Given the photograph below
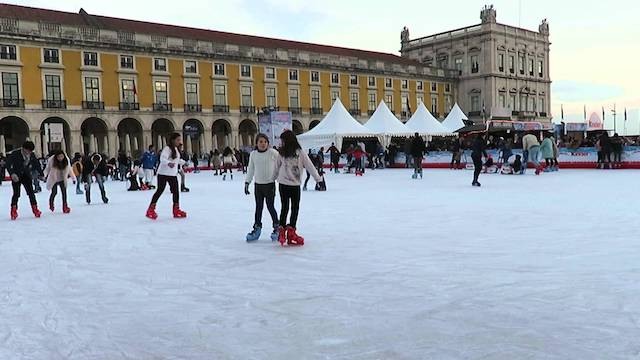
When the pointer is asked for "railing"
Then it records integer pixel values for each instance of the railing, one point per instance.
(247, 109)
(405, 114)
(52, 59)
(54, 104)
(220, 108)
(354, 112)
(12, 103)
(543, 114)
(515, 113)
(129, 106)
(162, 107)
(474, 113)
(370, 112)
(192, 108)
(295, 110)
(88, 62)
(93, 105)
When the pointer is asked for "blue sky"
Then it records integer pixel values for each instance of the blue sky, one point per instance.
(594, 51)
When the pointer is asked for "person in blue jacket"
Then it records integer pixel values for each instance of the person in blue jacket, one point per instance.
(149, 163)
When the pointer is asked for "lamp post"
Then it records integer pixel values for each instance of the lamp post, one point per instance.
(614, 118)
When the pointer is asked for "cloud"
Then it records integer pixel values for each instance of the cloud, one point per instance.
(575, 91)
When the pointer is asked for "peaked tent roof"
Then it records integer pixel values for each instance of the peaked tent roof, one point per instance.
(454, 122)
(423, 122)
(338, 121)
(383, 122)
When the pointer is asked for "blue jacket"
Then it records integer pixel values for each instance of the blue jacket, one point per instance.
(149, 160)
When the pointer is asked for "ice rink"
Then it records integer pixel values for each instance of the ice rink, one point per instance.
(525, 267)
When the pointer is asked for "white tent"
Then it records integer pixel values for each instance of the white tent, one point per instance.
(386, 125)
(424, 123)
(335, 126)
(454, 120)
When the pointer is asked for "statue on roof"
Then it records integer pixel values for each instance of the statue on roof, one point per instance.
(404, 35)
(488, 14)
(544, 27)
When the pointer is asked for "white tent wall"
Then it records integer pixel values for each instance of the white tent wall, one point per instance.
(454, 120)
(386, 125)
(426, 124)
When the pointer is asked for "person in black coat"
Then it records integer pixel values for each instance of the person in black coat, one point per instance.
(417, 150)
(21, 165)
(456, 154)
(94, 166)
(478, 150)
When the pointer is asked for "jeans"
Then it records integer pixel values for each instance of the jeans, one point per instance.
(265, 193)
(87, 187)
(148, 176)
(162, 184)
(54, 192)
(533, 155)
(27, 183)
(123, 172)
(289, 194)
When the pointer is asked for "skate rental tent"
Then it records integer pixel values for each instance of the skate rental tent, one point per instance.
(425, 124)
(455, 119)
(336, 125)
(386, 125)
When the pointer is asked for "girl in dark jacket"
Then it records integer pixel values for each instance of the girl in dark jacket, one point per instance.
(94, 166)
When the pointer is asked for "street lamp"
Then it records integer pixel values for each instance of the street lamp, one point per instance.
(613, 111)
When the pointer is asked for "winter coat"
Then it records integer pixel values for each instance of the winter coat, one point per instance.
(17, 164)
(418, 147)
(289, 169)
(546, 149)
(262, 166)
(229, 160)
(165, 160)
(149, 160)
(529, 141)
(478, 148)
(55, 175)
(215, 160)
(90, 169)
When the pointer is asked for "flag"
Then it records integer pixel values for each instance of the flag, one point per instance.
(562, 111)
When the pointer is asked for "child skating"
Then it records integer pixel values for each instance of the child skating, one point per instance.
(57, 172)
(170, 160)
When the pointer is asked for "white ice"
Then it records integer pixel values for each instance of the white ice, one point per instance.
(525, 267)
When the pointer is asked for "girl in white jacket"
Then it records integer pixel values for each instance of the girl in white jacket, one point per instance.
(170, 160)
(57, 172)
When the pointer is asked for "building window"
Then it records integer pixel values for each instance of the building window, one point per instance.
(335, 78)
(501, 62)
(353, 79)
(293, 75)
(51, 56)
(533, 104)
(405, 84)
(448, 103)
(522, 64)
(220, 95)
(270, 73)
(218, 69)
(315, 99)
(542, 108)
(355, 101)
(531, 64)
(512, 102)
(245, 92)
(8, 52)
(419, 100)
(475, 65)
(10, 86)
(91, 59)
(270, 94)
(162, 96)
(443, 61)
(192, 94)
(388, 99)
(92, 89)
(459, 63)
(52, 87)
(388, 83)
(540, 68)
(126, 62)
(475, 103)
(293, 98)
(512, 64)
(315, 77)
(434, 104)
(434, 87)
(334, 96)
(372, 81)
(372, 102)
(419, 85)
(502, 101)
(447, 88)
(160, 64)
(405, 104)
(128, 91)
(190, 67)
(245, 71)
(523, 102)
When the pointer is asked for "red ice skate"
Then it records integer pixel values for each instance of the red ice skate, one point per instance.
(37, 213)
(293, 239)
(177, 213)
(282, 235)
(66, 209)
(14, 212)
(151, 212)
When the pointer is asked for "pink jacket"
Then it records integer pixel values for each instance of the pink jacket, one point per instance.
(55, 175)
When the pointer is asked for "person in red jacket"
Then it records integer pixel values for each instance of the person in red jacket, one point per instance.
(358, 155)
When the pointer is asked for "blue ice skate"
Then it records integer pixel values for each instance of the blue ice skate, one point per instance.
(254, 234)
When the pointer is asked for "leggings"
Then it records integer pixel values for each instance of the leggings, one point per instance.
(54, 192)
(265, 192)
(549, 161)
(173, 186)
(289, 194)
(306, 181)
(477, 164)
(27, 182)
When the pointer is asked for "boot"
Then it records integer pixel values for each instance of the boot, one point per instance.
(105, 199)
(184, 189)
(37, 213)
(14, 212)
(177, 213)
(254, 234)
(294, 239)
(151, 212)
(52, 206)
(275, 233)
(66, 209)
(224, 177)
(282, 235)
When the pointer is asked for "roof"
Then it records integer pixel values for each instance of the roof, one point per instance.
(116, 24)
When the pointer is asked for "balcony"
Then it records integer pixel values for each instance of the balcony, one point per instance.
(542, 114)
(525, 114)
(315, 111)
(162, 107)
(247, 109)
(474, 113)
(12, 103)
(295, 110)
(221, 108)
(515, 113)
(354, 112)
(93, 105)
(54, 104)
(192, 108)
(129, 106)
(370, 112)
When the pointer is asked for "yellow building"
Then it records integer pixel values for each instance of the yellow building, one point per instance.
(118, 84)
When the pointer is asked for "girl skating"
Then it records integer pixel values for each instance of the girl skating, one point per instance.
(57, 172)
(170, 160)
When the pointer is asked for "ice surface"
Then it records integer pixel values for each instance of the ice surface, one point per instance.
(525, 267)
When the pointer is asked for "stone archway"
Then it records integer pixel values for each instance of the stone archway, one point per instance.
(160, 131)
(130, 138)
(247, 132)
(297, 127)
(93, 136)
(193, 137)
(221, 132)
(14, 131)
(313, 124)
(49, 133)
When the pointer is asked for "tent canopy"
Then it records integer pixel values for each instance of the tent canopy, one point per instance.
(335, 126)
(454, 120)
(383, 122)
(425, 124)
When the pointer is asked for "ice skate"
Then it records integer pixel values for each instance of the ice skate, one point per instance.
(275, 233)
(66, 209)
(282, 235)
(36, 212)
(293, 239)
(14, 212)
(151, 212)
(52, 206)
(254, 234)
(177, 213)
